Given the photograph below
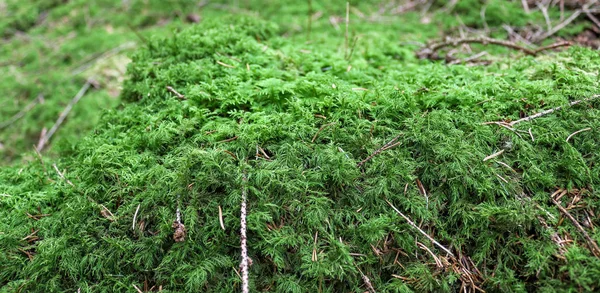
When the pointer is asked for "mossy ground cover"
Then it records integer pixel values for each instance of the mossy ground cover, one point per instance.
(301, 121)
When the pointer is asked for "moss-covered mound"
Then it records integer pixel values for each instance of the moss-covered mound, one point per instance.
(324, 143)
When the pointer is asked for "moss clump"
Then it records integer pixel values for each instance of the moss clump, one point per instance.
(297, 124)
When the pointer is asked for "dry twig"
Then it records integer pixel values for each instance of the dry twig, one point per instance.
(171, 89)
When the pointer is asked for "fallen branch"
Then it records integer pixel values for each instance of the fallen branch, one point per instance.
(591, 242)
(429, 52)
(22, 113)
(46, 138)
(171, 89)
(244, 264)
(421, 231)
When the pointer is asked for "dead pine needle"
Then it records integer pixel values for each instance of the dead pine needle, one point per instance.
(171, 89)
(62, 176)
(225, 64)
(46, 138)
(243, 236)
(135, 216)
(321, 129)
(221, 219)
(410, 222)
(314, 251)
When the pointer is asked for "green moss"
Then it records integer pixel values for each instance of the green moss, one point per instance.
(314, 218)
(312, 117)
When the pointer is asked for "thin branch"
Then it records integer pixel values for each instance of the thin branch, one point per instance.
(592, 18)
(63, 115)
(525, 6)
(578, 131)
(565, 22)
(429, 51)
(22, 113)
(171, 89)
(421, 231)
(591, 242)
